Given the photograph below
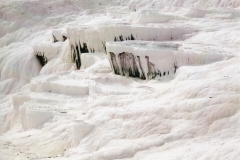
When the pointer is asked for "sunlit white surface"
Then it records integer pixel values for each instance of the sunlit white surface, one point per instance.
(63, 113)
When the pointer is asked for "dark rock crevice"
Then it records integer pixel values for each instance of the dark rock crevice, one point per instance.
(64, 38)
(84, 48)
(41, 58)
(78, 60)
(54, 39)
(175, 67)
(76, 56)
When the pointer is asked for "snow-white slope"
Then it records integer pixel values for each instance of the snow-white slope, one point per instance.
(57, 111)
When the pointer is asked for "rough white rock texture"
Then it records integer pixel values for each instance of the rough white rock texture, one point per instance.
(81, 129)
(59, 35)
(45, 51)
(193, 116)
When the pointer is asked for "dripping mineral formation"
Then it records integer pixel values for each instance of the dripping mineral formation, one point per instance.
(152, 60)
(84, 39)
(119, 79)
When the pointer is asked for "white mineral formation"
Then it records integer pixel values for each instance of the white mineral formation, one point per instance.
(119, 79)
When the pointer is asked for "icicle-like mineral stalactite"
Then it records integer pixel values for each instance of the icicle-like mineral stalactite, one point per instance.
(59, 35)
(85, 39)
(151, 74)
(128, 64)
(114, 63)
(46, 51)
(140, 68)
(152, 60)
(75, 55)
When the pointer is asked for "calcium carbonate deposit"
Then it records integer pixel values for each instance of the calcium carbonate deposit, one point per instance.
(120, 79)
